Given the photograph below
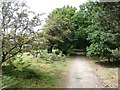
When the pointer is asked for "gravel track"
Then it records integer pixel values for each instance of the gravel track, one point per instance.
(82, 75)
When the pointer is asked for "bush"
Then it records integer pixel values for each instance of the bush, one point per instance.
(57, 52)
(19, 62)
(116, 54)
(95, 49)
(55, 56)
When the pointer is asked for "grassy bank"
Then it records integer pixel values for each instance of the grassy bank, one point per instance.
(34, 73)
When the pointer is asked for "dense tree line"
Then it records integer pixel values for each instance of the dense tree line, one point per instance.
(94, 28)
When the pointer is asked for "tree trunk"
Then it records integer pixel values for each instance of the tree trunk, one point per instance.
(65, 52)
(109, 60)
(3, 57)
(49, 49)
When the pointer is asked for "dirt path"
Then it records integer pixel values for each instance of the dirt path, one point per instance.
(82, 75)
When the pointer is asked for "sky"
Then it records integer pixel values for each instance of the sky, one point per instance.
(47, 6)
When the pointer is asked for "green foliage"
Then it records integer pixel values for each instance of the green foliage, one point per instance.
(17, 29)
(8, 81)
(116, 54)
(50, 57)
(58, 28)
(97, 49)
(37, 75)
(21, 64)
(104, 33)
(93, 26)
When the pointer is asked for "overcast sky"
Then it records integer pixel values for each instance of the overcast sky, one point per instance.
(47, 6)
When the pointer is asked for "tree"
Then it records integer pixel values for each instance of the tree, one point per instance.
(81, 19)
(17, 29)
(58, 28)
(95, 26)
(110, 26)
(104, 33)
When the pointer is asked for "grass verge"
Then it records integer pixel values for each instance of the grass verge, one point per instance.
(38, 74)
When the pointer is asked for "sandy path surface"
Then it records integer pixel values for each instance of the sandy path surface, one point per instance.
(82, 75)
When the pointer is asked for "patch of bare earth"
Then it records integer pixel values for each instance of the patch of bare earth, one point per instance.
(108, 75)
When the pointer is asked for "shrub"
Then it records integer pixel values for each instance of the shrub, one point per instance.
(19, 62)
(116, 54)
(55, 56)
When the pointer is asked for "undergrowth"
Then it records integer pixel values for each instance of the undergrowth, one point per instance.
(43, 71)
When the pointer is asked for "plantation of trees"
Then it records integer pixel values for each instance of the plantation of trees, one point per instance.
(93, 29)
